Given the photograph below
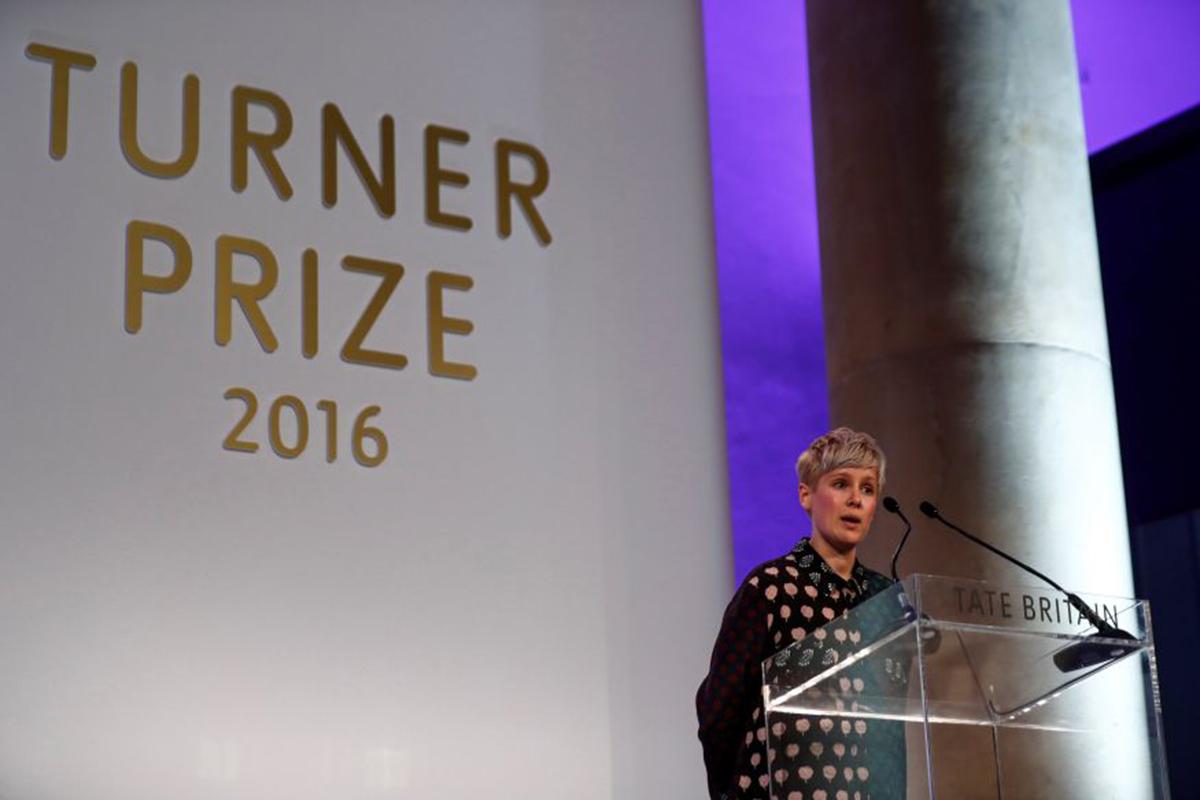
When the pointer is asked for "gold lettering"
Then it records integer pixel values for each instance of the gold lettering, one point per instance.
(523, 193)
(308, 303)
(382, 191)
(331, 422)
(137, 282)
(246, 294)
(274, 432)
(263, 144)
(440, 325)
(129, 121)
(232, 442)
(352, 351)
(436, 176)
(61, 62)
(361, 432)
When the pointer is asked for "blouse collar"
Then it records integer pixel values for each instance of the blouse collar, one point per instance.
(807, 555)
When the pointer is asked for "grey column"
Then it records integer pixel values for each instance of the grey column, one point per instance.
(963, 307)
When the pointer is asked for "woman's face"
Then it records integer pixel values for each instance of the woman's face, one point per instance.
(842, 506)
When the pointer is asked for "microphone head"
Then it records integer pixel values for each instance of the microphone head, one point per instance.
(929, 509)
(890, 504)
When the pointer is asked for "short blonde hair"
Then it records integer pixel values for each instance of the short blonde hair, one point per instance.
(841, 447)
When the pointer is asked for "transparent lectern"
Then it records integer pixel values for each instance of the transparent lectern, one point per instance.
(948, 688)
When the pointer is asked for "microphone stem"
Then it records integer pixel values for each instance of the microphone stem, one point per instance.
(903, 539)
(1074, 600)
(1003, 554)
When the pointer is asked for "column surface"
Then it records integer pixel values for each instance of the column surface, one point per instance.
(963, 306)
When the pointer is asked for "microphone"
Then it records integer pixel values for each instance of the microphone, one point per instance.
(891, 505)
(931, 636)
(1076, 656)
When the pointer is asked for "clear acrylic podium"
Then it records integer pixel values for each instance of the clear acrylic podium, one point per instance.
(949, 688)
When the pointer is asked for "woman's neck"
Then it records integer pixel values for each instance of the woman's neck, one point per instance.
(840, 562)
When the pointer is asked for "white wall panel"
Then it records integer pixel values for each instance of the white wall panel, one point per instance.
(518, 602)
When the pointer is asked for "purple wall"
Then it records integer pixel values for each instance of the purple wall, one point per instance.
(766, 235)
(1139, 63)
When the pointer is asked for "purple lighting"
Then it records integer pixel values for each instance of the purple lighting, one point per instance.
(1139, 63)
(766, 235)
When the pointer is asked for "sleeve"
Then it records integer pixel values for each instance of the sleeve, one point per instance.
(732, 689)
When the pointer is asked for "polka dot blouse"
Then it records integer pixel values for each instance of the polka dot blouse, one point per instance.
(781, 602)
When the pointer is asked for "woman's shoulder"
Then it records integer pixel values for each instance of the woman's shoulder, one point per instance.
(782, 569)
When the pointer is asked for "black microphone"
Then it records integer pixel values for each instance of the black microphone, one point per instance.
(931, 636)
(1075, 656)
(891, 505)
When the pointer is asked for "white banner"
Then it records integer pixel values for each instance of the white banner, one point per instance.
(361, 405)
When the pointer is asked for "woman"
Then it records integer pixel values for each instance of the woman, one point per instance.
(841, 476)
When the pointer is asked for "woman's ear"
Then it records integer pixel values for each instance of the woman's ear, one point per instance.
(805, 498)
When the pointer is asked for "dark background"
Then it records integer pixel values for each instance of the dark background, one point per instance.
(1145, 191)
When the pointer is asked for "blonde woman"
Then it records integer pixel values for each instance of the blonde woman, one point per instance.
(841, 477)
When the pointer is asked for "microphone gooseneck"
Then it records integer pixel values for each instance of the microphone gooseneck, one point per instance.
(1075, 656)
(930, 635)
(931, 511)
(892, 506)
